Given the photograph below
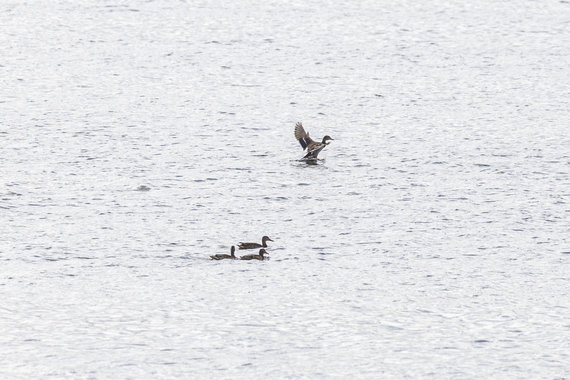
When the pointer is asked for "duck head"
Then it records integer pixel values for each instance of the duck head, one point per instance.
(263, 252)
(265, 239)
(326, 138)
(233, 251)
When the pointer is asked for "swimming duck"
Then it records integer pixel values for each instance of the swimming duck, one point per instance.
(255, 245)
(224, 256)
(255, 257)
(313, 147)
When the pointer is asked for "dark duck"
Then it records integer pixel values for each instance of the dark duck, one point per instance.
(256, 257)
(263, 244)
(313, 147)
(224, 256)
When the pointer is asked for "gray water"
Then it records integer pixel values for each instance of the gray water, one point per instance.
(430, 240)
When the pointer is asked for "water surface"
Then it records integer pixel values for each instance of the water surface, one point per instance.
(139, 138)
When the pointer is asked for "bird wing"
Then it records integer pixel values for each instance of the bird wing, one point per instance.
(302, 136)
(242, 245)
(314, 149)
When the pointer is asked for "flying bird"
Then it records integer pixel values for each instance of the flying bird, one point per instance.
(313, 147)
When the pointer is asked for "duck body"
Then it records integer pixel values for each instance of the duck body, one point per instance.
(313, 147)
(224, 256)
(259, 256)
(263, 244)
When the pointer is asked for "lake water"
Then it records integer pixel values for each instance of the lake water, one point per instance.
(430, 240)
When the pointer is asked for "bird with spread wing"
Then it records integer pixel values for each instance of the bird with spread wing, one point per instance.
(313, 147)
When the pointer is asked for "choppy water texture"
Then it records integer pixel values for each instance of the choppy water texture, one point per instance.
(139, 138)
